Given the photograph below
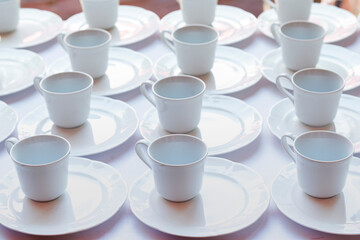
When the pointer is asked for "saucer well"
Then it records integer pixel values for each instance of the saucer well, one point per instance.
(134, 24)
(233, 24)
(337, 22)
(111, 122)
(233, 196)
(336, 215)
(344, 62)
(234, 70)
(282, 120)
(35, 27)
(95, 192)
(8, 120)
(18, 68)
(126, 70)
(226, 124)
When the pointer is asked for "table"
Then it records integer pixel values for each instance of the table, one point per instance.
(265, 155)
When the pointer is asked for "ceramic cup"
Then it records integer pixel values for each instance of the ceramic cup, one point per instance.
(316, 95)
(322, 161)
(9, 15)
(300, 42)
(199, 11)
(88, 50)
(177, 162)
(289, 10)
(100, 13)
(194, 47)
(67, 96)
(41, 164)
(178, 100)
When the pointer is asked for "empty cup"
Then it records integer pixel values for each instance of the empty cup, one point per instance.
(322, 161)
(67, 96)
(41, 164)
(177, 162)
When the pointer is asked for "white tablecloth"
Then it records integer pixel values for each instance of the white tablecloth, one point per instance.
(265, 155)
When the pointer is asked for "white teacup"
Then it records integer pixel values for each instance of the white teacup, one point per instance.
(41, 164)
(322, 161)
(100, 13)
(198, 11)
(316, 96)
(300, 42)
(289, 10)
(177, 162)
(67, 96)
(178, 100)
(9, 15)
(88, 50)
(194, 47)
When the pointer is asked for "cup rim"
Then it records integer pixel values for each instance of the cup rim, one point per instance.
(318, 70)
(44, 164)
(196, 44)
(179, 99)
(182, 165)
(328, 132)
(305, 22)
(87, 30)
(67, 93)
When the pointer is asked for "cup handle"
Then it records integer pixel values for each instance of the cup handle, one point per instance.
(281, 88)
(167, 40)
(37, 81)
(60, 38)
(140, 149)
(286, 146)
(275, 31)
(146, 92)
(9, 143)
(270, 3)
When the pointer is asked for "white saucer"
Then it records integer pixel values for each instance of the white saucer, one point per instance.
(232, 23)
(111, 122)
(332, 57)
(127, 69)
(8, 120)
(337, 22)
(336, 215)
(133, 25)
(18, 68)
(35, 27)
(95, 192)
(233, 196)
(226, 124)
(234, 70)
(282, 120)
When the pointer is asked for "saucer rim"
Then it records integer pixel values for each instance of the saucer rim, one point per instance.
(115, 209)
(212, 234)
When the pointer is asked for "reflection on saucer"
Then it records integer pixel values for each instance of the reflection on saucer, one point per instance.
(226, 124)
(337, 215)
(110, 123)
(282, 120)
(232, 197)
(95, 192)
(234, 70)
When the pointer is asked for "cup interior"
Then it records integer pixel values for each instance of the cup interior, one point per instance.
(195, 34)
(324, 146)
(87, 38)
(318, 80)
(178, 150)
(179, 87)
(40, 150)
(302, 30)
(67, 82)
